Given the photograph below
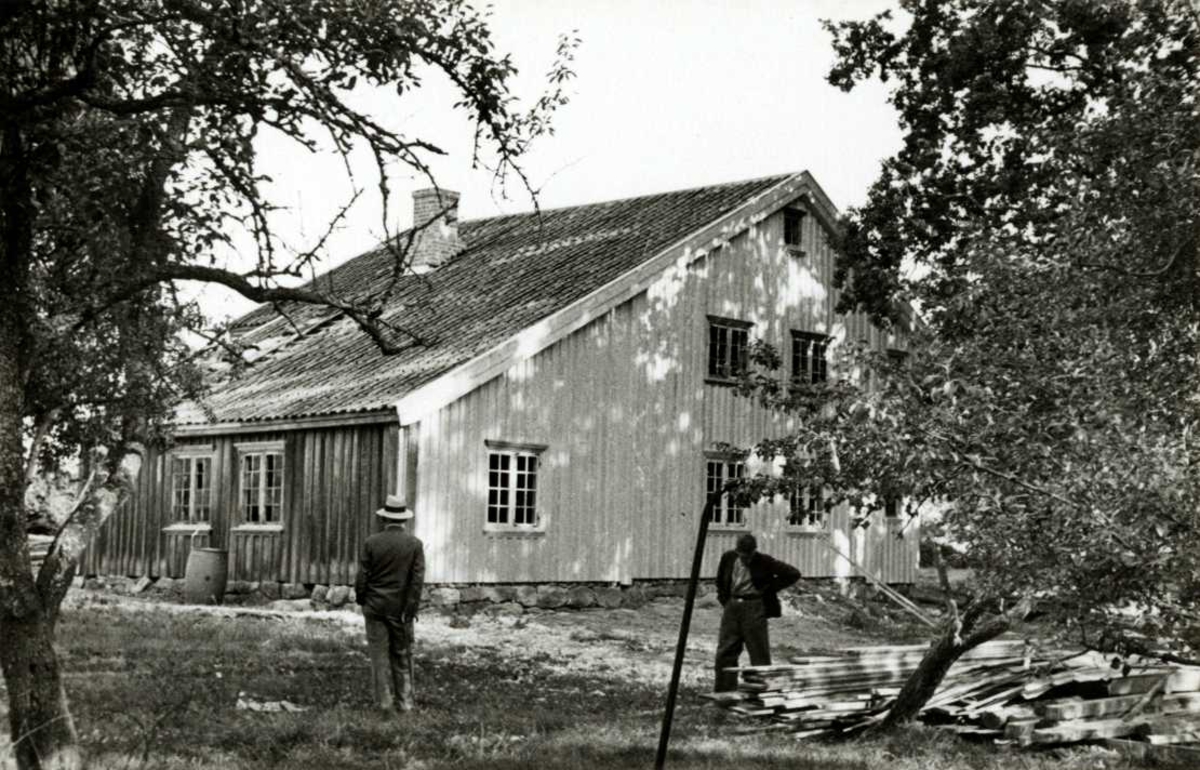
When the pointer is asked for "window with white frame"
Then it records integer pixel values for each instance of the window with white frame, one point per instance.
(512, 485)
(810, 364)
(260, 478)
(191, 487)
(728, 347)
(809, 508)
(718, 471)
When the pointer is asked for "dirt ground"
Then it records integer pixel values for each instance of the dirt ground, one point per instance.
(610, 647)
(639, 643)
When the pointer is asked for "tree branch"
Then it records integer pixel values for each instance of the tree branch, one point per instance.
(44, 424)
(1155, 273)
(367, 320)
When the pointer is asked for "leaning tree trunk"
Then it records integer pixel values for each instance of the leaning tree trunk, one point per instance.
(957, 637)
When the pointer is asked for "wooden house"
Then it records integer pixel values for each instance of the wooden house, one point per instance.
(559, 423)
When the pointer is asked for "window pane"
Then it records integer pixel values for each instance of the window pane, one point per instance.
(718, 339)
(498, 483)
(819, 366)
(181, 484)
(796, 507)
(738, 351)
(273, 505)
(735, 514)
(272, 500)
(201, 505)
(713, 481)
(800, 358)
(524, 511)
(251, 484)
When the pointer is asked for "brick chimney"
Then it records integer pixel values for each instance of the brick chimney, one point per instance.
(436, 244)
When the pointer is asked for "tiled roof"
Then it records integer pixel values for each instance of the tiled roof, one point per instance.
(514, 271)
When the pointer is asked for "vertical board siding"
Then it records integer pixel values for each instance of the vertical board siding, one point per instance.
(623, 406)
(334, 480)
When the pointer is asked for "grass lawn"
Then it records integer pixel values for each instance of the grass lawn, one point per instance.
(156, 685)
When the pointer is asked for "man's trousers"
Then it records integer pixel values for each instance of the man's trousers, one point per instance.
(389, 643)
(743, 624)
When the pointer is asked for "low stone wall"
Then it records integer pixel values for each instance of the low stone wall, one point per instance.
(449, 599)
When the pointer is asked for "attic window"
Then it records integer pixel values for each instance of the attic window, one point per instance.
(728, 348)
(792, 230)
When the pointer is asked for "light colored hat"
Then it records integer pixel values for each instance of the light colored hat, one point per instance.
(394, 509)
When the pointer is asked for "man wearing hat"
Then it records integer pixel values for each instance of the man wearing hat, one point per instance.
(747, 586)
(390, 576)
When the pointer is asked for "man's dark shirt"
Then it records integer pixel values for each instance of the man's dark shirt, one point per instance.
(769, 576)
(391, 574)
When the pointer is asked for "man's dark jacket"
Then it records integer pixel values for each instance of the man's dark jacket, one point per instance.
(769, 576)
(391, 574)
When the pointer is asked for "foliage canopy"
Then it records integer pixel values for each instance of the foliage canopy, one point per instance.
(1042, 215)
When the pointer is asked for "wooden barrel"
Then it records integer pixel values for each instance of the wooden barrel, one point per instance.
(205, 576)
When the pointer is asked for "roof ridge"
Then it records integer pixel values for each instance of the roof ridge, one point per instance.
(629, 198)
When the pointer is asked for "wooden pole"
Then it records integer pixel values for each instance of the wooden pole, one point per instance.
(664, 737)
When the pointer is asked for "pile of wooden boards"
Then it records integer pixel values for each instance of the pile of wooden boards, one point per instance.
(1009, 691)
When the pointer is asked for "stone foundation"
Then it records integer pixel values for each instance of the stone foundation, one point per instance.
(447, 599)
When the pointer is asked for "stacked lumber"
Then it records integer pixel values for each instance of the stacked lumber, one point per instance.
(823, 693)
(1006, 690)
(1090, 701)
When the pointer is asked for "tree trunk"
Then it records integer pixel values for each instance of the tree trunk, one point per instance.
(43, 734)
(956, 638)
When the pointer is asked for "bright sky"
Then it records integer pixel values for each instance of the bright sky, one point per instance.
(668, 94)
